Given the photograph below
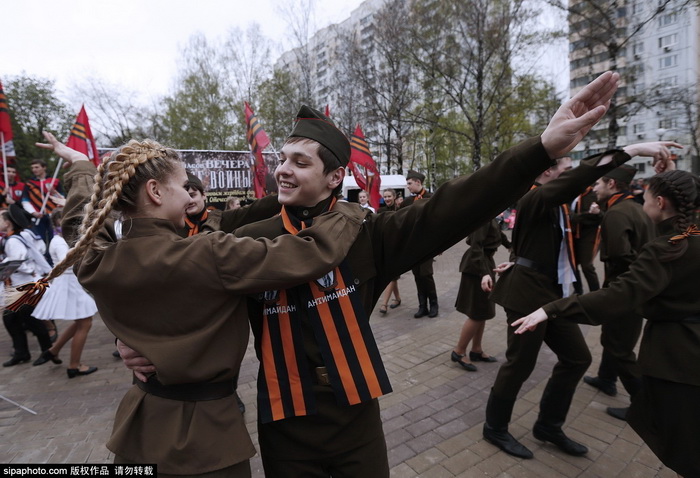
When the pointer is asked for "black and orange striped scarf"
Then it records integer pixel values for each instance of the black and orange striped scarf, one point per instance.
(37, 189)
(193, 225)
(333, 307)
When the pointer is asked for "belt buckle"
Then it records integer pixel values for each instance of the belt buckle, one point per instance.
(322, 376)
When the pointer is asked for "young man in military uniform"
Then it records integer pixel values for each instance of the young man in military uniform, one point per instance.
(624, 230)
(586, 230)
(321, 372)
(200, 219)
(543, 270)
(423, 272)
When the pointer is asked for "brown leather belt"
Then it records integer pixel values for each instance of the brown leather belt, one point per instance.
(322, 376)
(187, 392)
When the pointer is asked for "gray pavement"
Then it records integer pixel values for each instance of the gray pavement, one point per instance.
(432, 420)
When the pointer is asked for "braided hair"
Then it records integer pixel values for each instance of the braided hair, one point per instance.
(682, 189)
(117, 183)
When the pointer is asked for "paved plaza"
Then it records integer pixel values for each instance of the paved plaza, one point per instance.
(432, 420)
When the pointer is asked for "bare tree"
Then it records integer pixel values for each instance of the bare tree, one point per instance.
(115, 112)
(299, 15)
(377, 63)
(466, 53)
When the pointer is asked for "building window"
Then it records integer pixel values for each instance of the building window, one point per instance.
(668, 123)
(638, 128)
(668, 19)
(638, 48)
(641, 167)
(668, 61)
(668, 40)
(669, 81)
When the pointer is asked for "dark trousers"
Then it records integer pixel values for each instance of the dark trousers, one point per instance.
(565, 339)
(618, 338)
(338, 441)
(425, 283)
(584, 256)
(17, 322)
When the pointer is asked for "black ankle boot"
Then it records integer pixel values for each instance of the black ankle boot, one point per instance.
(558, 438)
(17, 360)
(506, 442)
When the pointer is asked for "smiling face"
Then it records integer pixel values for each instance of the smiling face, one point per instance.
(389, 197)
(300, 177)
(197, 203)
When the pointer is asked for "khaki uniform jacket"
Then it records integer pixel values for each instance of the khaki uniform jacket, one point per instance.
(181, 302)
(537, 236)
(623, 232)
(662, 285)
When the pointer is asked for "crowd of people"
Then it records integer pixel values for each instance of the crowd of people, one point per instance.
(304, 270)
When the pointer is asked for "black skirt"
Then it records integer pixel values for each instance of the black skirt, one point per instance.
(472, 301)
(666, 415)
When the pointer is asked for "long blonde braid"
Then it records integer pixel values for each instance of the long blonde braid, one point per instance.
(117, 184)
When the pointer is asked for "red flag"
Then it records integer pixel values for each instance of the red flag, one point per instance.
(81, 139)
(5, 125)
(361, 159)
(258, 140)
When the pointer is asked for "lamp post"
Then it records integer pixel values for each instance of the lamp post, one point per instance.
(660, 133)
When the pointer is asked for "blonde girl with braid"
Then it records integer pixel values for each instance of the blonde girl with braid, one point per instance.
(663, 284)
(180, 301)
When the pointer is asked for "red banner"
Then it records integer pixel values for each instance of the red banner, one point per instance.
(6, 125)
(363, 167)
(258, 140)
(81, 139)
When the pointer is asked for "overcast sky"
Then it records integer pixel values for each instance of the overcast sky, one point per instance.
(129, 42)
(135, 43)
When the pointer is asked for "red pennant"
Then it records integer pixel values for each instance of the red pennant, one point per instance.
(258, 140)
(81, 138)
(361, 159)
(5, 125)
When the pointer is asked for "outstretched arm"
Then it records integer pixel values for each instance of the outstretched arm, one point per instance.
(69, 155)
(529, 322)
(576, 117)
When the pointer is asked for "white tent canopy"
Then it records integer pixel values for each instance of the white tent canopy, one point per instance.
(389, 181)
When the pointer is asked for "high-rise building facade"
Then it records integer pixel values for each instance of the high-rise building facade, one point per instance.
(655, 45)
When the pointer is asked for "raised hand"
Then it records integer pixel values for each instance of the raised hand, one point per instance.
(69, 155)
(576, 117)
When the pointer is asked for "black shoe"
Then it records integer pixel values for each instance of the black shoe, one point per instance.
(45, 356)
(603, 385)
(506, 442)
(422, 312)
(479, 357)
(557, 437)
(433, 311)
(15, 360)
(619, 413)
(116, 355)
(74, 372)
(455, 357)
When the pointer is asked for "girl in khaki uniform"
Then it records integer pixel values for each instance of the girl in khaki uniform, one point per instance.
(662, 282)
(181, 301)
